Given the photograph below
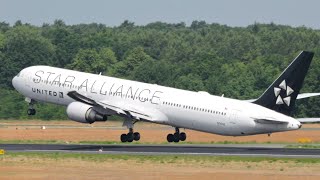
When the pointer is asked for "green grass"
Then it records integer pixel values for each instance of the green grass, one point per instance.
(304, 146)
(161, 159)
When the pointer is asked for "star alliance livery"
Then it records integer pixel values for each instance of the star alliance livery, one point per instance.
(89, 98)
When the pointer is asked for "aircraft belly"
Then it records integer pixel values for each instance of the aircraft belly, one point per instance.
(200, 122)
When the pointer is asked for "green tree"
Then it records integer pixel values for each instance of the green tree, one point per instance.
(156, 72)
(24, 46)
(106, 61)
(133, 59)
(90, 60)
(190, 82)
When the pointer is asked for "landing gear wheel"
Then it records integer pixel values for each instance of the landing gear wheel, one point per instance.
(31, 112)
(123, 138)
(176, 137)
(130, 137)
(170, 138)
(136, 136)
(183, 136)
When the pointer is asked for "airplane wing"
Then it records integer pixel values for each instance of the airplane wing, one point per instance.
(308, 120)
(300, 96)
(125, 110)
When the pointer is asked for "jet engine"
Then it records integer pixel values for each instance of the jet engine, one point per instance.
(84, 113)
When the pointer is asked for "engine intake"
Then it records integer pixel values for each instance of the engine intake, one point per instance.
(84, 113)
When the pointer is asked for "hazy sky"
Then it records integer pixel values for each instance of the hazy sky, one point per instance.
(141, 12)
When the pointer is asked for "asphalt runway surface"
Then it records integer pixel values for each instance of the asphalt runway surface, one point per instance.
(211, 150)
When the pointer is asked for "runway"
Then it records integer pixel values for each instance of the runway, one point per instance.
(211, 150)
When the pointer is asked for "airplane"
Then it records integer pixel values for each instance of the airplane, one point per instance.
(90, 98)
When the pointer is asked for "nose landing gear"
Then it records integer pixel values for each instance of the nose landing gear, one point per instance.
(31, 111)
(177, 136)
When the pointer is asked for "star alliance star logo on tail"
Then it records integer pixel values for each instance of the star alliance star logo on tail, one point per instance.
(283, 87)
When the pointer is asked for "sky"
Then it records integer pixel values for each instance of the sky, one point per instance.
(141, 12)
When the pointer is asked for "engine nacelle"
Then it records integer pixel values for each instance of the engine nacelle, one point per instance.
(84, 113)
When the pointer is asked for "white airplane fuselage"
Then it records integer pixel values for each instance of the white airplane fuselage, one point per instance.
(184, 109)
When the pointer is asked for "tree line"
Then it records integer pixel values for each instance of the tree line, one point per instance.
(239, 62)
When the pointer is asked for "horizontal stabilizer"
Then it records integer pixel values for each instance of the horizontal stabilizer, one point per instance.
(308, 120)
(300, 96)
(268, 120)
(307, 95)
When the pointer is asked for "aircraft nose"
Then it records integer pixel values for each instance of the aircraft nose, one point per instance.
(296, 124)
(14, 82)
(299, 125)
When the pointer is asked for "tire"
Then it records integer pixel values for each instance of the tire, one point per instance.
(183, 136)
(130, 137)
(170, 138)
(123, 138)
(176, 137)
(29, 112)
(33, 111)
(136, 136)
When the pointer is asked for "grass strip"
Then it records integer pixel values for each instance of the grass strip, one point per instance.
(156, 158)
(304, 146)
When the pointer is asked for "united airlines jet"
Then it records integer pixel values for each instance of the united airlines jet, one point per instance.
(89, 98)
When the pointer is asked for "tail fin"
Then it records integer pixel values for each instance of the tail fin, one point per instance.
(282, 93)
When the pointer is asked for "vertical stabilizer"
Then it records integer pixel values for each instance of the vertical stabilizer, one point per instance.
(282, 93)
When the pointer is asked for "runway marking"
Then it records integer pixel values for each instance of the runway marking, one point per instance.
(192, 150)
(175, 153)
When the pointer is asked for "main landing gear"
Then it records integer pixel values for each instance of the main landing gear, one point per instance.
(131, 135)
(31, 111)
(177, 136)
